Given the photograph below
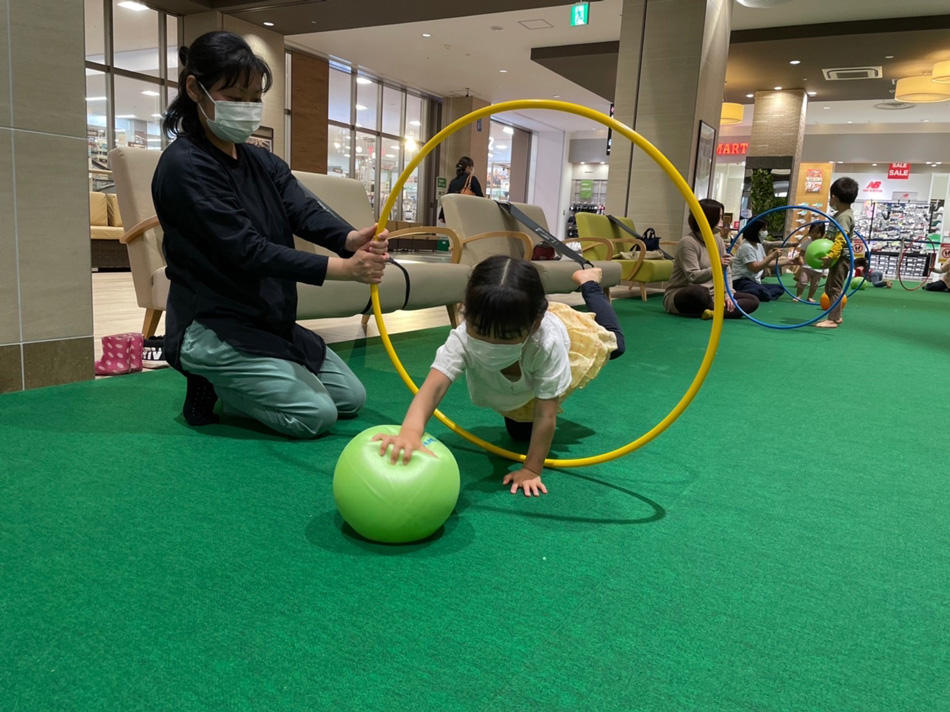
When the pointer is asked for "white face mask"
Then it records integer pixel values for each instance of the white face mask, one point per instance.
(233, 121)
(494, 356)
(763, 235)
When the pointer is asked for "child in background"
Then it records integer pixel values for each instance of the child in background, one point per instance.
(522, 355)
(844, 192)
(808, 275)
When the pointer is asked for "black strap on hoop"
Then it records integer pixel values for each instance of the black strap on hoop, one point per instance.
(369, 305)
(546, 237)
(630, 231)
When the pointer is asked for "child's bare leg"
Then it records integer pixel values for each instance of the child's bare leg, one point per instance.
(588, 274)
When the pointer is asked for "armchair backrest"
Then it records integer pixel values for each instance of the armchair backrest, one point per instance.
(593, 225)
(132, 171)
(469, 216)
(345, 195)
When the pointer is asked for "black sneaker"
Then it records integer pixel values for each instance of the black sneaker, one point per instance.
(153, 352)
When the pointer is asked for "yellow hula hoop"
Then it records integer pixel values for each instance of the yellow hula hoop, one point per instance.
(694, 208)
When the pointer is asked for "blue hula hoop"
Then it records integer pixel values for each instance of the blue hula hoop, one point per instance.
(826, 312)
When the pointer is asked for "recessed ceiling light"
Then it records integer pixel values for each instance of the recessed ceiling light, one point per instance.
(850, 122)
(795, 61)
(750, 96)
(888, 56)
(415, 123)
(503, 71)
(156, 116)
(125, 116)
(149, 92)
(812, 93)
(873, 164)
(360, 107)
(557, 96)
(603, 163)
(427, 35)
(95, 98)
(134, 6)
(777, 88)
(268, 24)
(925, 120)
(826, 107)
(363, 80)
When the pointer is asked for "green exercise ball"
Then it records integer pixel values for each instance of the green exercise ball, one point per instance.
(395, 504)
(817, 251)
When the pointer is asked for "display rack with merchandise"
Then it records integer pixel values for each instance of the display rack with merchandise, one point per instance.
(893, 227)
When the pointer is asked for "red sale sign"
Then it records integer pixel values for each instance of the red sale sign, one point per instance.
(898, 171)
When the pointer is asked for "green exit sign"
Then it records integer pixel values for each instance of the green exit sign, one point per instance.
(580, 14)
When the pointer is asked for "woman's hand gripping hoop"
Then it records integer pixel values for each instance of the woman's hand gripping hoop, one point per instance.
(847, 283)
(694, 208)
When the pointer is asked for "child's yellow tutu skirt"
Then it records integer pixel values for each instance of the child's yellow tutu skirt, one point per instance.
(591, 346)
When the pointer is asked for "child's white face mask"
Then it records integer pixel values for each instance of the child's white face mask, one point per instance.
(494, 356)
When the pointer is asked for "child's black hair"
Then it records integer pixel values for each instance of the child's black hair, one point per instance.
(750, 232)
(818, 227)
(463, 165)
(504, 298)
(712, 209)
(845, 190)
(213, 57)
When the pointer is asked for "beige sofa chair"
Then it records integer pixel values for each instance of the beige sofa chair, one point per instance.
(428, 285)
(105, 232)
(485, 230)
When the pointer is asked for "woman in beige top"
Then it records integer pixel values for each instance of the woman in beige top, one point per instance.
(689, 291)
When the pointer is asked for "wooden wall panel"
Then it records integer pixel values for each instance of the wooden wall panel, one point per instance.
(309, 102)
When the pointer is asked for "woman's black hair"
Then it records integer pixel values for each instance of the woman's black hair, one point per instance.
(712, 209)
(213, 57)
(504, 298)
(750, 232)
(463, 165)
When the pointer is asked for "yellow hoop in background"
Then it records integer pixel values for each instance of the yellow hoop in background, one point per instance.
(694, 208)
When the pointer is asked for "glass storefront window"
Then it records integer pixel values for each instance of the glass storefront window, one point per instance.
(365, 164)
(137, 114)
(498, 175)
(135, 37)
(389, 170)
(96, 124)
(414, 117)
(171, 37)
(366, 103)
(392, 111)
(339, 96)
(95, 34)
(339, 151)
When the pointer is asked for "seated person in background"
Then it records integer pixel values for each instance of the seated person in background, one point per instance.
(942, 284)
(689, 291)
(751, 261)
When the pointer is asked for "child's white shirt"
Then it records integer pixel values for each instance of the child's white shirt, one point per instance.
(545, 367)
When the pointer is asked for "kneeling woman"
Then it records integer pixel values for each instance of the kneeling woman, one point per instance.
(230, 212)
(522, 357)
(690, 289)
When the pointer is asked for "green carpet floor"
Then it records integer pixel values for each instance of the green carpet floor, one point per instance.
(784, 546)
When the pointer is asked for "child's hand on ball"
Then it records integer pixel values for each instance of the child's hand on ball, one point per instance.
(406, 444)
